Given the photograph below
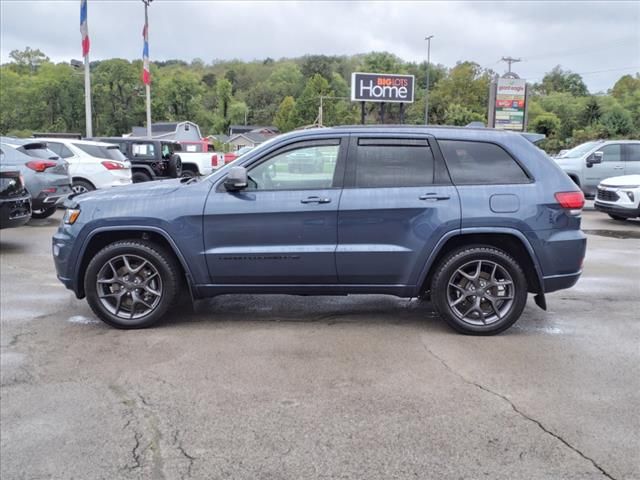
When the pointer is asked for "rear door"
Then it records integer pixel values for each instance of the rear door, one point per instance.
(631, 158)
(282, 229)
(397, 203)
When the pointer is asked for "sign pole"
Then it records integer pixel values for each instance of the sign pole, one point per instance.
(382, 113)
(401, 113)
(362, 113)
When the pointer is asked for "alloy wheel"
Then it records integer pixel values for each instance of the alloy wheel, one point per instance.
(480, 292)
(129, 286)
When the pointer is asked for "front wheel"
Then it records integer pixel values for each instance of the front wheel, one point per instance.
(42, 213)
(479, 290)
(618, 217)
(132, 283)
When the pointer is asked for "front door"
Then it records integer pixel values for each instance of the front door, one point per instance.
(282, 229)
(612, 166)
(397, 203)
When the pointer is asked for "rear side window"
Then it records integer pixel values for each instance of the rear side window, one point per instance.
(382, 162)
(480, 163)
(60, 149)
(97, 151)
(633, 152)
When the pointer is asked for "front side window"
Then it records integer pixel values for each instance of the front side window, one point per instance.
(611, 153)
(480, 163)
(393, 163)
(305, 168)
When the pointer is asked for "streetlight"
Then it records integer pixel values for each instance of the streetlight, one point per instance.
(426, 89)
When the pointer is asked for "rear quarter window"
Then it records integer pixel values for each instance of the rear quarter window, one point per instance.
(481, 163)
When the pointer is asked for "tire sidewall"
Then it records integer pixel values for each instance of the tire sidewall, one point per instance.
(140, 177)
(465, 255)
(161, 261)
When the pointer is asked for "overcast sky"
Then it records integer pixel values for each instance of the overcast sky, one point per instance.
(600, 40)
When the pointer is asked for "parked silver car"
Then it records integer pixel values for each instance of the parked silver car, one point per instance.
(45, 174)
(591, 162)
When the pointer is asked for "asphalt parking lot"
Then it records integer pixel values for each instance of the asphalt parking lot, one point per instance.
(360, 387)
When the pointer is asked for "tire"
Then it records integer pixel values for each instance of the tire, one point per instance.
(139, 177)
(81, 186)
(42, 213)
(175, 166)
(187, 173)
(618, 217)
(148, 283)
(499, 283)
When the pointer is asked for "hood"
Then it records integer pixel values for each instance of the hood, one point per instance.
(134, 191)
(623, 181)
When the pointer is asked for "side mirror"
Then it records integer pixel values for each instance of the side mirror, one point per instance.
(236, 179)
(595, 157)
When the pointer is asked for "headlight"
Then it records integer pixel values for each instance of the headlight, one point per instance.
(70, 216)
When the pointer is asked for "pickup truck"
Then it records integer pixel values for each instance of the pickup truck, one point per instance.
(198, 158)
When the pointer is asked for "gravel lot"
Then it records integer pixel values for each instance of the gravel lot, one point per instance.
(360, 387)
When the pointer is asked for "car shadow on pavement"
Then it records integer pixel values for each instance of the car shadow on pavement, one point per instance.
(12, 247)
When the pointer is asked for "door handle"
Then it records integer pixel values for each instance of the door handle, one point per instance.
(434, 196)
(315, 200)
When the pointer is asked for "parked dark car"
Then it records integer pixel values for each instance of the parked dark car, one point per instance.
(473, 219)
(45, 174)
(150, 159)
(15, 201)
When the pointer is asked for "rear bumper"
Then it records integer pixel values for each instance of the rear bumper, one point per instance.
(560, 282)
(617, 210)
(15, 212)
(48, 200)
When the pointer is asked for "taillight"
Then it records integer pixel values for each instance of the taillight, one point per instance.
(113, 165)
(571, 200)
(214, 160)
(41, 165)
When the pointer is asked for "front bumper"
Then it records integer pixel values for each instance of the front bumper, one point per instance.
(15, 212)
(617, 210)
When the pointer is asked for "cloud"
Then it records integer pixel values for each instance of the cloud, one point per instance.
(581, 36)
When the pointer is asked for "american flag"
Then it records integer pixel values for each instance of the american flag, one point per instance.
(84, 29)
(146, 74)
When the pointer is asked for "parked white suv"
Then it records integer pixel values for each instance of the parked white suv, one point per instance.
(619, 197)
(92, 165)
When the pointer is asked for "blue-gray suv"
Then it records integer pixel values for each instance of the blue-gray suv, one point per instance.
(472, 219)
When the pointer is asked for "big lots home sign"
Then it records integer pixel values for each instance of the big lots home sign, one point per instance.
(382, 87)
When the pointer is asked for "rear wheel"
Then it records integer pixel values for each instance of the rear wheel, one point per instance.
(187, 173)
(44, 212)
(81, 186)
(132, 283)
(139, 177)
(479, 290)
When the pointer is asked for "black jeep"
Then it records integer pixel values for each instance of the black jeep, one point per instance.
(150, 159)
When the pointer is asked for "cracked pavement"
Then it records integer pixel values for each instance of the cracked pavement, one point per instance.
(277, 387)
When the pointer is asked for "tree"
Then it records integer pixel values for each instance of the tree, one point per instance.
(28, 60)
(591, 112)
(309, 101)
(285, 117)
(223, 94)
(617, 122)
(547, 123)
(456, 114)
(317, 65)
(383, 62)
(562, 81)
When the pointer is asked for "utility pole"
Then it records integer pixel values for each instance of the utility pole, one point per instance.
(320, 118)
(426, 88)
(147, 71)
(510, 60)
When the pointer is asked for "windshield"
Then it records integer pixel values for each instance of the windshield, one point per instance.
(99, 151)
(579, 151)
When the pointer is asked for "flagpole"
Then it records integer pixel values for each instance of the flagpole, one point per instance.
(147, 84)
(84, 29)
